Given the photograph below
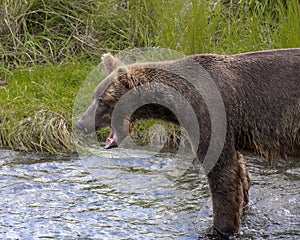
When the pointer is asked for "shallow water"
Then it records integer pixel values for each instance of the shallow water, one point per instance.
(126, 194)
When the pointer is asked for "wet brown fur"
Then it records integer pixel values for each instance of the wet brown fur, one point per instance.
(263, 104)
(261, 94)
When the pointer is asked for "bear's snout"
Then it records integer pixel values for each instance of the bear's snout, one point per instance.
(81, 127)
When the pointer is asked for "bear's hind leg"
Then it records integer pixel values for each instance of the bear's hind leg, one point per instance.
(229, 184)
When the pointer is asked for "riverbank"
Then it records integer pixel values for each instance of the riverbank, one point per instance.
(44, 63)
(37, 107)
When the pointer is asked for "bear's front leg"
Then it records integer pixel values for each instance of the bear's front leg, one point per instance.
(229, 184)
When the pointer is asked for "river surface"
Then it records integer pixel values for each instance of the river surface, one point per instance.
(126, 194)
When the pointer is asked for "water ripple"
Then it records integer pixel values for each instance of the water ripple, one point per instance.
(128, 195)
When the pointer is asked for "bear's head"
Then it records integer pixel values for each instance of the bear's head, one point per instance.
(120, 79)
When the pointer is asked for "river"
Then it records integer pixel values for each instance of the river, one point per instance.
(127, 194)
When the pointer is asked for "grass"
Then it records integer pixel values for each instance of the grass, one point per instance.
(210, 26)
(47, 49)
(36, 107)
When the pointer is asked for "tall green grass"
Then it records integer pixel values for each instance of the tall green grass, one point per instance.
(212, 26)
(50, 31)
(47, 47)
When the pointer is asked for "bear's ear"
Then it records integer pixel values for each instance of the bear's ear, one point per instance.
(109, 62)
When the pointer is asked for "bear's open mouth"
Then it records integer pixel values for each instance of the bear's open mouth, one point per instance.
(111, 140)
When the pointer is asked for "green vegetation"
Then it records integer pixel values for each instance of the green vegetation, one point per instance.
(37, 105)
(47, 49)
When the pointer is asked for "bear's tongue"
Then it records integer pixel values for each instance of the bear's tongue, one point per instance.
(111, 141)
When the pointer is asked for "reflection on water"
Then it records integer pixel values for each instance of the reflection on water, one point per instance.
(125, 194)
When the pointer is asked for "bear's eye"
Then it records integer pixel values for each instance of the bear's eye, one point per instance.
(100, 101)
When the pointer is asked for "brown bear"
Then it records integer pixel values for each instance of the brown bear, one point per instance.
(261, 97)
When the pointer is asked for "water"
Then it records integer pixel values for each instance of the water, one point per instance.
(126, 194)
